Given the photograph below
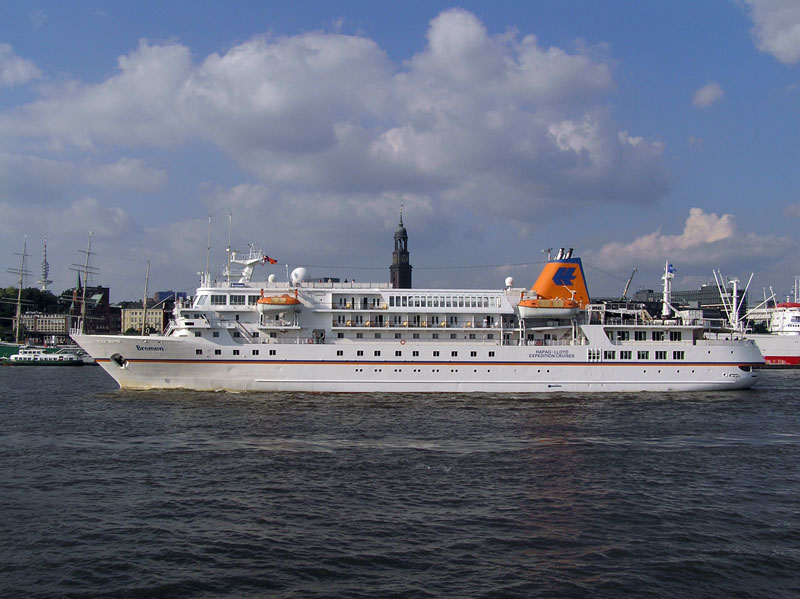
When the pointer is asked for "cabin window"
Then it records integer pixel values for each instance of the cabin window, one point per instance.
(237, 334)
(272, 352)
(200, 301)
(360, 352)
(661, 355)
(435, 336)
(217, 352)
(415, 353)
(339, 352)
(252, 300)
(377, 353)
(674, 335)
(436, 354)
(643, 355)
(255, 352)
(609, 355)
(491, 354)
(340, 335)
(377, 335)
(640, 335)
(678, 355)
(398, 353)
(626, 355)
(473, 354)
(359, 335)
(255, 334)
(198, 334)
(398, 335)
(453, 354)
(218, 300)
(198, 352)
(237, 300)
(236, 352)
(658, 336)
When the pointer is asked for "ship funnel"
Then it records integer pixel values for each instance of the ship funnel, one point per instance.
(563, 278)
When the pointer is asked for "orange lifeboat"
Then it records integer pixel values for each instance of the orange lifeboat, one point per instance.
(548, 308)
(273, 303)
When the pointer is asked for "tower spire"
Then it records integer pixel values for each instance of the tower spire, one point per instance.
(44, 281)
(400, 270)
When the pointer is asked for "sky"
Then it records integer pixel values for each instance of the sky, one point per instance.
(637, 133)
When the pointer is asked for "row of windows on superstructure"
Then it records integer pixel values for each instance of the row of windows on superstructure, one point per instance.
(395, 301)
(227, 300)
(642, 354)
(444, 301)
(594, 354)
(642, 335)
(359, 353)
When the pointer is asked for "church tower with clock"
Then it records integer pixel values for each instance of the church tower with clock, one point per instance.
(400, 270)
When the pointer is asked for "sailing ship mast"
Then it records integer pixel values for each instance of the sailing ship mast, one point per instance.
(144, 297)
(22, 272)
(87, 271)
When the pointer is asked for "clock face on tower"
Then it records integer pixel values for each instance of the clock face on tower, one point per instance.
(404, 259)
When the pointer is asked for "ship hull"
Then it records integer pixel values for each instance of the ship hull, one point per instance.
(779, 351)
(169, 363)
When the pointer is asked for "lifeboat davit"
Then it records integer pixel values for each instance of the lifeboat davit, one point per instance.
(274, 303)
(548, 308)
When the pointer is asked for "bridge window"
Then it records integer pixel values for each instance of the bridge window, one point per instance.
(219, 300)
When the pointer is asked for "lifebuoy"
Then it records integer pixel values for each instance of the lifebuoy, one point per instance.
(402, 342)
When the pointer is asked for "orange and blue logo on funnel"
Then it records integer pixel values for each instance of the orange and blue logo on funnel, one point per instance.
(563, 279)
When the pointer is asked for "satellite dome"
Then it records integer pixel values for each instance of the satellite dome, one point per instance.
(298, 275)
(509, 281)
(271, 278)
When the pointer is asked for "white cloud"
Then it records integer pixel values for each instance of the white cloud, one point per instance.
(777, 28)
(708, 241)
(15, 70)
(139, 105)
(707, 95)
(328, 113)
(130, 173)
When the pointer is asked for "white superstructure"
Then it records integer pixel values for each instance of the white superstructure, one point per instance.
(303, 335)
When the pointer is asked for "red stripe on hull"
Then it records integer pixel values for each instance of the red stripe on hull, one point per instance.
(782, 360)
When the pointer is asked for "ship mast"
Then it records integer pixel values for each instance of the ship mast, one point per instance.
(87, 270)
(22, 272)
(144, 297)
(666, 298)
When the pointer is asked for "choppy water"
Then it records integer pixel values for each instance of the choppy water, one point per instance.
(109, 493)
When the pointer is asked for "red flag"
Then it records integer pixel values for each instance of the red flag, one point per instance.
(270, 260)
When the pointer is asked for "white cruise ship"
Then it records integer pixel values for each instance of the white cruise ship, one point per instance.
(303, 335)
